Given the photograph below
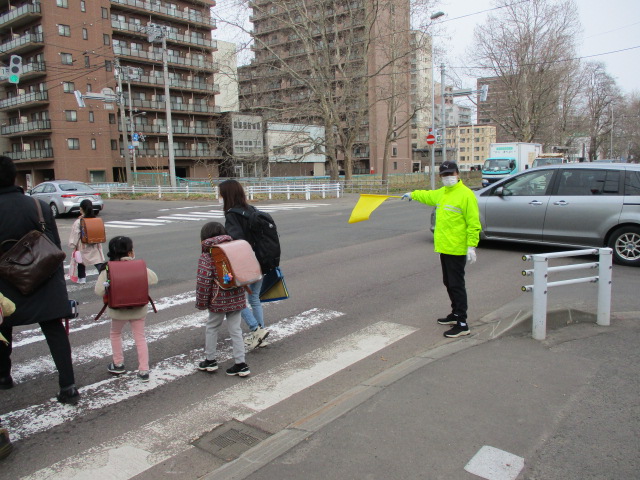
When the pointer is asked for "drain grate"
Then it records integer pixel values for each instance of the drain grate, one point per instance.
(230, 440)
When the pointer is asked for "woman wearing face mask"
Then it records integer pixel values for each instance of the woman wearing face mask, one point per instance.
(455, 238)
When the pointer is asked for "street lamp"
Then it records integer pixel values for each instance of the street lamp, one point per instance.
(432, 168)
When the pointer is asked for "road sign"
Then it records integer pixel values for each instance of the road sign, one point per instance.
(431, 139)
(136, 137)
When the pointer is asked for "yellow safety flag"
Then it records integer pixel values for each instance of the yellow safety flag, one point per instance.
(367, 203)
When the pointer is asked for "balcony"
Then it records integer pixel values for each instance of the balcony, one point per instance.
(23, 43)
(31, 154)
(153, 57)
(171, 14)
(177, 130)
(199, 153)
(178, 83)
(25, 101)
(195, 108)
(20, 16)
(27, 128)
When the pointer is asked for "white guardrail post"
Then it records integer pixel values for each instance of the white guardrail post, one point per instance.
(540, 273)
(541, 284)
(605, 273)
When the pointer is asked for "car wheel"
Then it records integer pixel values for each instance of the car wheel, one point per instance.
(625, 243)
(54, 210)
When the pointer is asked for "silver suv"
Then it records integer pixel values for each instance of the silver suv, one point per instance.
(64, 196)
(572, 204)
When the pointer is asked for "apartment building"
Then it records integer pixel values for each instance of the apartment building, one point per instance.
(468, 145)
(421, 89)
(315, 56)
(69, 45)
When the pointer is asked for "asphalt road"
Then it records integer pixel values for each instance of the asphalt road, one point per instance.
(364, 297)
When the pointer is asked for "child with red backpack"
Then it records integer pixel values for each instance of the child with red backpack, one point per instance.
(121, 249)
(221, 303)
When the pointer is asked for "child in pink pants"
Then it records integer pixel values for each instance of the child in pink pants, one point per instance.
(121, 249)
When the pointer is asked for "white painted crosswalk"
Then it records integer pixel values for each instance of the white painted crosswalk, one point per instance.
(146, 446)
(209, 213)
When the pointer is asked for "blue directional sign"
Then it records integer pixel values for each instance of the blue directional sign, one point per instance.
(136, 137)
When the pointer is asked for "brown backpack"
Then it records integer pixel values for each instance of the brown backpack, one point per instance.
(92, 230)
(128, 285)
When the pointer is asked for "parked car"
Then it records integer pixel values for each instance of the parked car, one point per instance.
(64, 196)
(572, 204)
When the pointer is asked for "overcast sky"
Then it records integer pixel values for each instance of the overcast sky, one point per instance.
(608, 26)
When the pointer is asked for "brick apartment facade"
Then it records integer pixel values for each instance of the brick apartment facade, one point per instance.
(69, 45)
(286, 38)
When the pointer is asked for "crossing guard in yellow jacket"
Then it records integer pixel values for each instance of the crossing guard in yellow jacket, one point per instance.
(456, 236)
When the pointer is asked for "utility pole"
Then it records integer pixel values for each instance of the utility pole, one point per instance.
(159, 32)
(444, 120)
(123, 121)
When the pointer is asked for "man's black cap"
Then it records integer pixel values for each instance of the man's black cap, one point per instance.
(448, 167)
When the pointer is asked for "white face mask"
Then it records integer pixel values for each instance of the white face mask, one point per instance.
(449, 181)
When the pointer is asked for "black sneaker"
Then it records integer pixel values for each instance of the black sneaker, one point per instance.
(6, 382)
(5, 443)
(449, 320)
(143, 375)
(116, 369)
(240, 369)
(457, 331)
(69, 395)
(208, 365)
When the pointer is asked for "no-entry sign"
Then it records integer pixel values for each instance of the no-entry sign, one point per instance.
(431, 139)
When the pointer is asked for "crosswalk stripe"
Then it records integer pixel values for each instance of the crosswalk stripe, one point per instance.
(32, 335)
(165, 437)
(116, 223)
(39, 418)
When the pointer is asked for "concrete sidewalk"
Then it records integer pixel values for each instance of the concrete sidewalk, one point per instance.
(496, 405)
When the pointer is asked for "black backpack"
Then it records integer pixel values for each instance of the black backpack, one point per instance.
(263, 237)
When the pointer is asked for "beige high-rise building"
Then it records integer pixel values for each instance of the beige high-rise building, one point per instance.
(69, 45)
(289, 79)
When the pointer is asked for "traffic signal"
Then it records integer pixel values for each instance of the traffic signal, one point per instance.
(484, 91)
(15, 68)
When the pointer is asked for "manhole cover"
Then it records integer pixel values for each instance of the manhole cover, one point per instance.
(230, 440)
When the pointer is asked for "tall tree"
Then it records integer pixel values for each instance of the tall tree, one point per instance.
(527, 46)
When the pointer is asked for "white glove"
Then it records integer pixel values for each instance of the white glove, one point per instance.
(471, 255)
(406, 196)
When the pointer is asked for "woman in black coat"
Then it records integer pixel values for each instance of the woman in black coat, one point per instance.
(49, 304)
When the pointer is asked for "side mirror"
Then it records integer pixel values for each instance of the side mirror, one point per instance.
(499, 191)
(512, 165)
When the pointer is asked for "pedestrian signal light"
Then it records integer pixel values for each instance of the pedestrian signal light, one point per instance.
(15, 68)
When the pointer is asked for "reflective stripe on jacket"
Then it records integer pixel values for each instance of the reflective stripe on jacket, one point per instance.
(457, 217)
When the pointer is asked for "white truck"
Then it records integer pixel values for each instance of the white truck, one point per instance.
(508, 158)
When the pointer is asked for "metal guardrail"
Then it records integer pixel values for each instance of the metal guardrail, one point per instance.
(309, 191)
(541, 271)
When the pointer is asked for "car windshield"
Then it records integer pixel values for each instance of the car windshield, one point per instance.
(75, 187)
(539, 162)
(496, 164)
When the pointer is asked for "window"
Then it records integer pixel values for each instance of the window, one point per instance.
(93, 144)
(91, 117)
(66, 58)
(589, 182)
(89, 87)
(114, 144)
(62, 3)
(97, 176)
(83, 6)
(105, 12)
(64, 30)
(394, 151)
(85, 34)
(395, 165)
(68, 87)
(87, 61)
(73, 143)
(108, 66)
(105, 39)
(278, 150)
(112, 118)
(528, 184)
(298, 150)
(71, 115)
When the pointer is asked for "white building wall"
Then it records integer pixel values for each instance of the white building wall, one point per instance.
(227, 77)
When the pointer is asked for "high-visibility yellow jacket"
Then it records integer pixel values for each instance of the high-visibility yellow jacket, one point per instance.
(457, 217)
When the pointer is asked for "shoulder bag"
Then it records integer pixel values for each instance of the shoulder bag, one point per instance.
(32, 260)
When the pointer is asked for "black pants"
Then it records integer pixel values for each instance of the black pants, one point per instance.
(82, 270)
(453, 279)
(58, 341)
